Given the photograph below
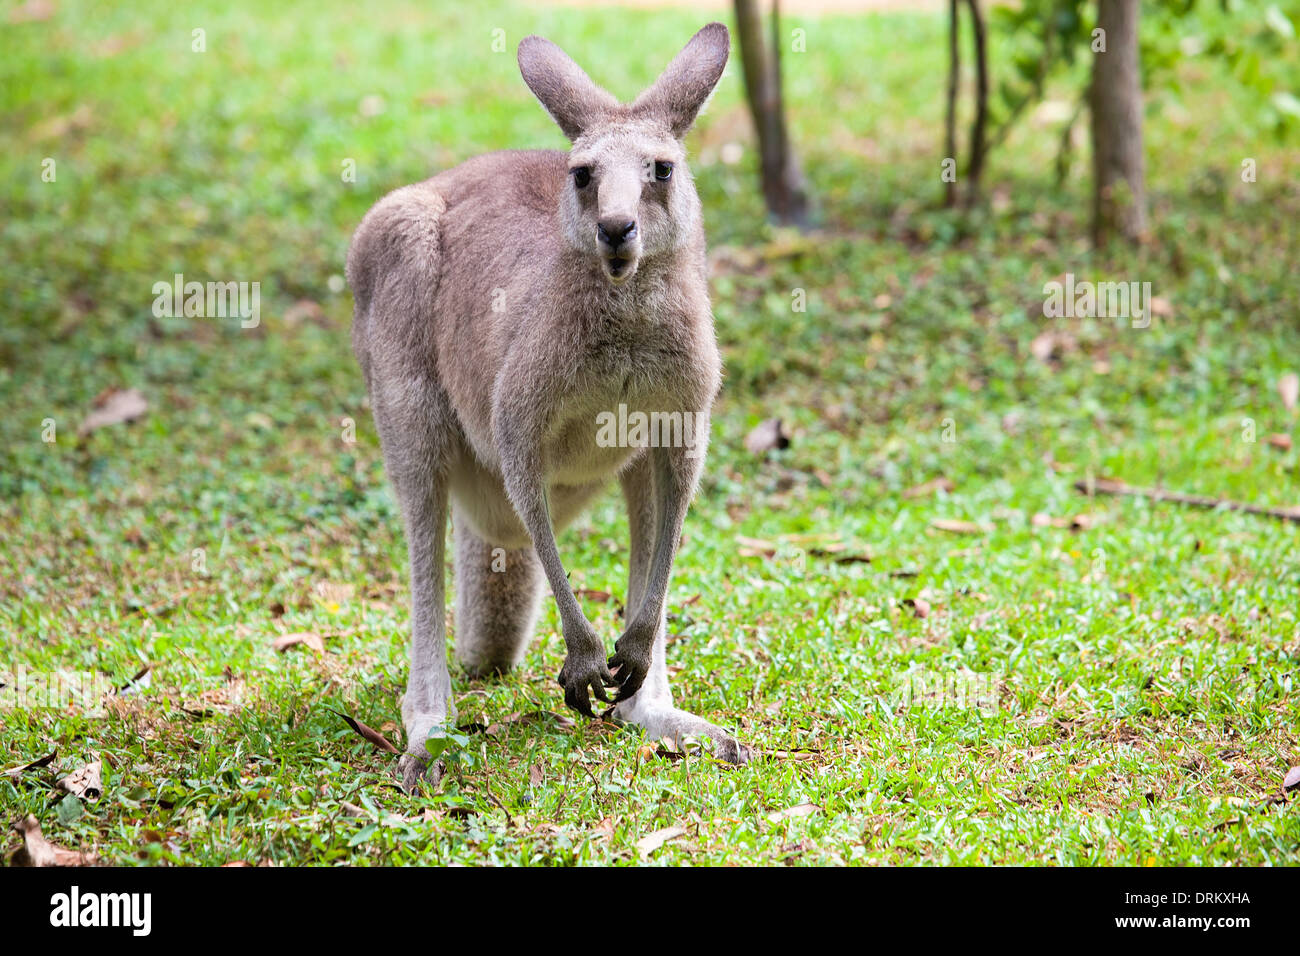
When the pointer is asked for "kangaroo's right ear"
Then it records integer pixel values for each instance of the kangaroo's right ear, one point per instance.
(686, 85)
(568, 94)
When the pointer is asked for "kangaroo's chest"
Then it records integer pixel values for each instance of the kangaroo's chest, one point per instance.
(609, 420)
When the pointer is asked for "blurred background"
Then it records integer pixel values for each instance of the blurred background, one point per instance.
(889, 189)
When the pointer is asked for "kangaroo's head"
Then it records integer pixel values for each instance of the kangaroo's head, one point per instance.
(629, 194)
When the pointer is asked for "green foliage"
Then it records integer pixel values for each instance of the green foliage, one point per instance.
(442, 741)
(1042, 42)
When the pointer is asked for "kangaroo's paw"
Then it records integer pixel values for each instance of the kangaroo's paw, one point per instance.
(731, 750)
(724, 746)
(412, 770)
(417, 765)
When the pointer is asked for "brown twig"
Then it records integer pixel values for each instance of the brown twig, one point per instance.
(1111, 486)
(950, 117)
(978, 141)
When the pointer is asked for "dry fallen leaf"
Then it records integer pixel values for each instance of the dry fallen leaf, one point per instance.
(561, 722)
(1051, 345)
(303, 310)
(1080, 522)
(956, 526)
(1292, 779)
(223, 699)
(84, 783)
(372, 735)
(1161, 306)
(113, 45)
(930, 487)
(653, 841)
(333, 594)
(837, 552)
(32, 11)
(920, 605)
(1042, 346)
(1288, 387)
(536, 774)
(138, 683)
(37, 851)
(1280, 440)
(54, 127)
(755, 547)
(312, 640)
(34, 765)
(767, 435)
(674, 750)
(591, 594)
(433, 98)
(114, 407)
(802, 810)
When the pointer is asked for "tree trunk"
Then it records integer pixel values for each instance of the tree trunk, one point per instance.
(978, 146)
(1119, 176)
(784, 189)
(950, 125)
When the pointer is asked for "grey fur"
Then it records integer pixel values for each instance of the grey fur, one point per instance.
(494, 322)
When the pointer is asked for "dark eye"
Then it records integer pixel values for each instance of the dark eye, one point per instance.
(581, 176)
(663, 171)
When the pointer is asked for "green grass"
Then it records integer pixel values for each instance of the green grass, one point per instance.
(1137, 671)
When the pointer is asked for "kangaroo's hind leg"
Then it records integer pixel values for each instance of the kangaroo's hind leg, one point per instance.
(415, 453)
(498, 591)
(394, 268)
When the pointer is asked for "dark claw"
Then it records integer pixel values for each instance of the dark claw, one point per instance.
(576, 698)
(582, 683)
(630, 677)
(631, 685)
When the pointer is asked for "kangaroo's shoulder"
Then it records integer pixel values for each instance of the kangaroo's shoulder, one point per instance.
(524, 179)
(410, 221)
(401, 231)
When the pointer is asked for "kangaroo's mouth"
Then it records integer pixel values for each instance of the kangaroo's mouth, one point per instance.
(619, 269)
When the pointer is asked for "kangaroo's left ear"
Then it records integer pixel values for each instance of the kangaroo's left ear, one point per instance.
(686, 85)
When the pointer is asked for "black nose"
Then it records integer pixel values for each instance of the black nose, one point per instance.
(615, 233)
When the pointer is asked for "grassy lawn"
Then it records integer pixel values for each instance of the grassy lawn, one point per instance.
(1093, 680)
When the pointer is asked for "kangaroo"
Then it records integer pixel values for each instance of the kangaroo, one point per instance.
(503, 307)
